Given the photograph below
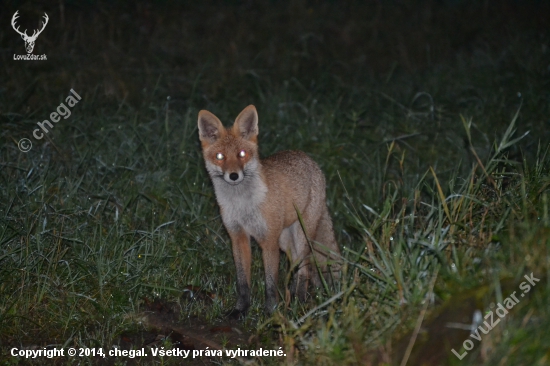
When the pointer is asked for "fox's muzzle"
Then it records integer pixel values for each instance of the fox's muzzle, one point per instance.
(233, 178)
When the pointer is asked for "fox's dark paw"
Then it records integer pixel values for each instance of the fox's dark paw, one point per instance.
(236, 314)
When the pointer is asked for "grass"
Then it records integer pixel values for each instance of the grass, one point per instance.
(438, 194)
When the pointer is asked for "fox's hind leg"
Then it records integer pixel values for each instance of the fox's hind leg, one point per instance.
(300, 259)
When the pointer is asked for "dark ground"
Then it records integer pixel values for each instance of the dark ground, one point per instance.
(377, 73)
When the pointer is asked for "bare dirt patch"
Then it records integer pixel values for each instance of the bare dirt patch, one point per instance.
(164, 328)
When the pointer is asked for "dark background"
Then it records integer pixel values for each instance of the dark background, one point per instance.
(113, 208)
(205, 49)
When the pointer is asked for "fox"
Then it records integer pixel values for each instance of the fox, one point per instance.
(262, 199)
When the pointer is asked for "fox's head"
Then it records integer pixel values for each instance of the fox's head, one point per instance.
(230, 154)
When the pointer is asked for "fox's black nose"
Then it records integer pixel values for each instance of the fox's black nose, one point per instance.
(233, 176)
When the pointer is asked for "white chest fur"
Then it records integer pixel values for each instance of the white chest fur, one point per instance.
(240, 205)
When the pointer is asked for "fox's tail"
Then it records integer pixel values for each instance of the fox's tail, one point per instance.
(326, 252)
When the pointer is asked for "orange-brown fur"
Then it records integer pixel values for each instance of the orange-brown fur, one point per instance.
(260, 198)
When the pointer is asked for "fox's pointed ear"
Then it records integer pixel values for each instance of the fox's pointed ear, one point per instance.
(246, 124)
(210, 128)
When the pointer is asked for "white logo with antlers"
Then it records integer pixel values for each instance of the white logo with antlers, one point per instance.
(29, 40)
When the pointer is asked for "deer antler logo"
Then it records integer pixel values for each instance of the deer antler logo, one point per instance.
(29, 41)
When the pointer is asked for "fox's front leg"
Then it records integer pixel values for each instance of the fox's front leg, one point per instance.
(270, 256)
(242, 256)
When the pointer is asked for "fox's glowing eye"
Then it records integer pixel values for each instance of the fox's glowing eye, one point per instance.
(242, 154)
(219, 156)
